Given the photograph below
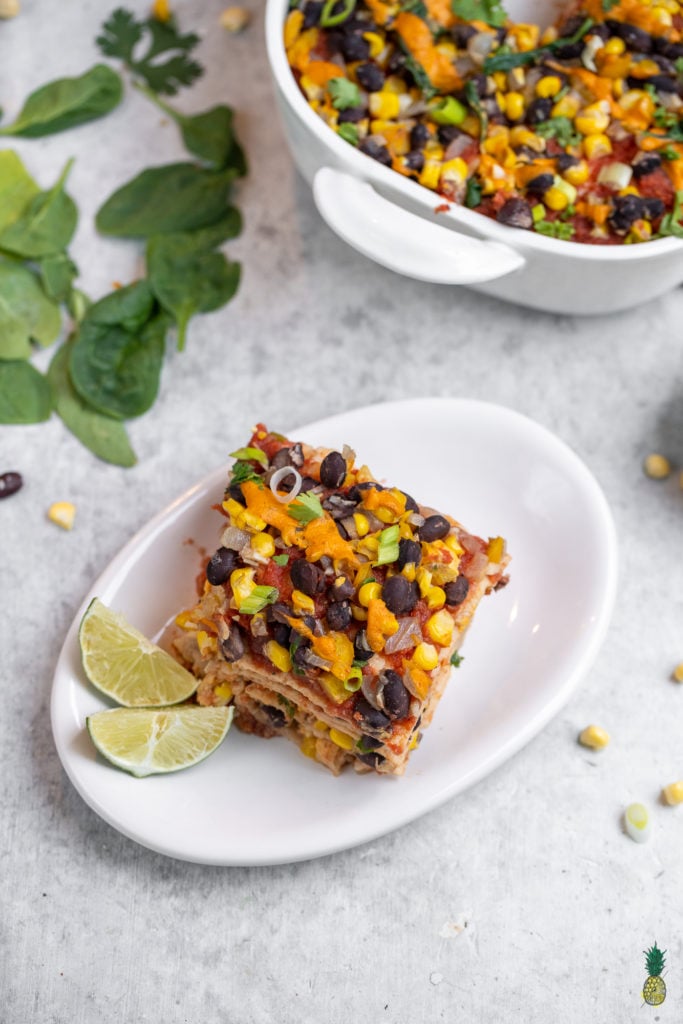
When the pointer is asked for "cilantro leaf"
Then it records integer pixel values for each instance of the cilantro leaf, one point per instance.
(305, 508)
(243, 471)
(456, 659)
(121, 36)
(348, 132)
(473, 193)
(489, 11)
(344, 94)
(281, 559)
(560, 128)
(671, 223)
(422, 80)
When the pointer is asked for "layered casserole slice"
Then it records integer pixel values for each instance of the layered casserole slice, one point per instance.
(334, 608)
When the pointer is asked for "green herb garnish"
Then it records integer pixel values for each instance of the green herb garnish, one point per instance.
(329, 20)
(388, 546)
(281, 559)
(243, 471)
(343, 93)
(669, 153)
(305, 508)
(121, 36)
(348, 132)
(554, 229)
(489, 11)
(473, 193)
(474, 100)
(254, 454)
(422, 80)
(293, 647)
(287, 705)
(671, 222)
(507, 61)
(607, 5)
(456, 659)
(259, 598)
(67, 102)
(560, 128)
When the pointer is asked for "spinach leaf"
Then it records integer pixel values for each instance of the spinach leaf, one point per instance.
(209, 135)
(104, 436)
(17, 187)
(129, 307)
(15, 342)
(23, 295)
(187, 280)
(115, 370)
(174, 197)
(57, 274)
(47, 224)
(489, 11)
(68, 102)
(24, 394)
(120, 37)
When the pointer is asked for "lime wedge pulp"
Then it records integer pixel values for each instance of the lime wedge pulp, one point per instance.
(126, 666)
(154, 741)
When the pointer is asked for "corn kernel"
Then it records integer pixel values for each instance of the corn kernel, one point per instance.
(233, 508)
(376, 43)
(454, 171)
(596, 145)
(578, 174)
(677, 673)
(673, 793)
(334, 687)
(495, 549)
(342, 740)
(436, 598)
(207, 644)
(62, 513)
(242, 584)
(593, 736)
(662, 17)
(454, 545)
(369, 592)
(263, 544)
(361, 523)
(555, 199)
(637, 822)
(439, 628)
(548, 86)
(185, 620)
(279, 655)
(384, 104)
(302, 602)
(615, 46)
(414, 742)
(359, 614)
(250, 521)
(514, 106)
(234, 19)
(425, 656)
(567, 106)
(161, 10)
(320, 726)
(224, 692)
(593, 119)
(308, 745)
(657, 466)
(500, 80)
(408, 571)
(424, 580)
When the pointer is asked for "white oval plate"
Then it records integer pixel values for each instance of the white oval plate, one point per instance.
(260, 801)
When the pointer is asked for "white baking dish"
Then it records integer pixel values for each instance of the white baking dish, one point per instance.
(392, 219)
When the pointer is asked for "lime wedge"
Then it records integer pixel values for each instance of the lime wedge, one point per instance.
(153, 741)
(125, 665)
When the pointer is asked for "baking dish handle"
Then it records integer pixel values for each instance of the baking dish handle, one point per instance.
(403, 241)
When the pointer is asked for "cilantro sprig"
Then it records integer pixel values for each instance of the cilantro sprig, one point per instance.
(507, 61)
(122, 35)
(491, 12)
(305, 508)
(671, 222)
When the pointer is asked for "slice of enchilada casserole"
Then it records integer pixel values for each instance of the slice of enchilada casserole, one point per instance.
(334, 607)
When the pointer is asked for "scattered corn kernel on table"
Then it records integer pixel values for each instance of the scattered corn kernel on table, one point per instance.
(525, 893)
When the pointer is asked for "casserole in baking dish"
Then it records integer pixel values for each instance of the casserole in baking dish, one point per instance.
(403, 225)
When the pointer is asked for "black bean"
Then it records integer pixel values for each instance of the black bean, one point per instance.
(368, 743)
(395, 695)
(301, 653)
(339, 615)
(662, 83)
(312, 12)
(281, 633)
(288, 456)
(307, 484)
(646, 163)
(435, 527)
(333, 41)
(481, 84)
(400, 595)
(235, 492)
(415, 160)
(627, 209)
(462, 33)
(220, 566)
(370, 77)
(411, 504)
(569, 51)
(516, 213)
(671, 50)
(232, 646)
(566, 160)
(339, 505)
(371, 718)
(539, 110)
(456, 591)
(419, 136)
(361, 649)
(278, 612)
(409, 551)
(352, 115)
(447, 133)
(277, 717)
(396, 65)
(653, 208)
(10, 483)
(379, 152)
(342, 589)
(333, 470)
(341, 530)
(540, 184)
(354, 47)
(307, 578)
(635, 38)
(372, 759)
(356, 492)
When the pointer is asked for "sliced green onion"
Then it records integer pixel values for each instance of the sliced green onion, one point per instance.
(254, 454)
(355, 678)
(328, 19)
(388, 545)
(258, 599)
(448, 111)
(281, 559)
